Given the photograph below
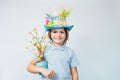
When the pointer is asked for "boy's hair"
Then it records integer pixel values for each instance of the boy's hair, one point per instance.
(66, 32)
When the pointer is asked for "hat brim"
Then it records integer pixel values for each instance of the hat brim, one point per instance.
(58, 27)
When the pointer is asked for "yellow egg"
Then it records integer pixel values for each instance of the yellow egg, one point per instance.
(26, 47)
(41, 56)
(61, 15)
(49, 24)
(35, 29)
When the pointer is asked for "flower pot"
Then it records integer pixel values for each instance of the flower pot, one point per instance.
(43, 64)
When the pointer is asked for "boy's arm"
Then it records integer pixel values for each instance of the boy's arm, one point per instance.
(74, 73)
(35, 69)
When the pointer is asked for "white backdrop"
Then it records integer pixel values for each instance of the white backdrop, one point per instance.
(95, 37)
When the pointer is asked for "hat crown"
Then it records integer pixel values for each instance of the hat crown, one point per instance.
(57, 20)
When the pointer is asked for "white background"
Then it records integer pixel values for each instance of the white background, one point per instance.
(95, 37)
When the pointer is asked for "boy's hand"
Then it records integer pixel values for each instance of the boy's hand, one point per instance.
(48, 73)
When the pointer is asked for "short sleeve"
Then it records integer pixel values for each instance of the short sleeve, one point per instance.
(73, 60)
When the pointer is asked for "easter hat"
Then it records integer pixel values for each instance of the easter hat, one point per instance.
(58, 20)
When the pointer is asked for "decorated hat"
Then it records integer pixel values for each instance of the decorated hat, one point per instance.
(57, 20)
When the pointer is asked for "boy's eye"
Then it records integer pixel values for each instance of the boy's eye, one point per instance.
(61, 32)
(54, 31)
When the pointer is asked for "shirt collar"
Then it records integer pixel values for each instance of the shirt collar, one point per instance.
(62, 48)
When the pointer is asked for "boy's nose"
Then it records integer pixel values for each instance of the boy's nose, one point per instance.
(58, 34)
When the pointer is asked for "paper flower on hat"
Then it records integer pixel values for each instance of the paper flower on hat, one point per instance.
(38, 44)
(58, 20)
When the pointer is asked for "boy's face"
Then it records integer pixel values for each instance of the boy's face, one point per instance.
(58, 36)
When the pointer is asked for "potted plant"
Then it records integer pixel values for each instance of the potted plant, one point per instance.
(37, 46)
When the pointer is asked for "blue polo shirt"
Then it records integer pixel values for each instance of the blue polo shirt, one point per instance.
(60, 60)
